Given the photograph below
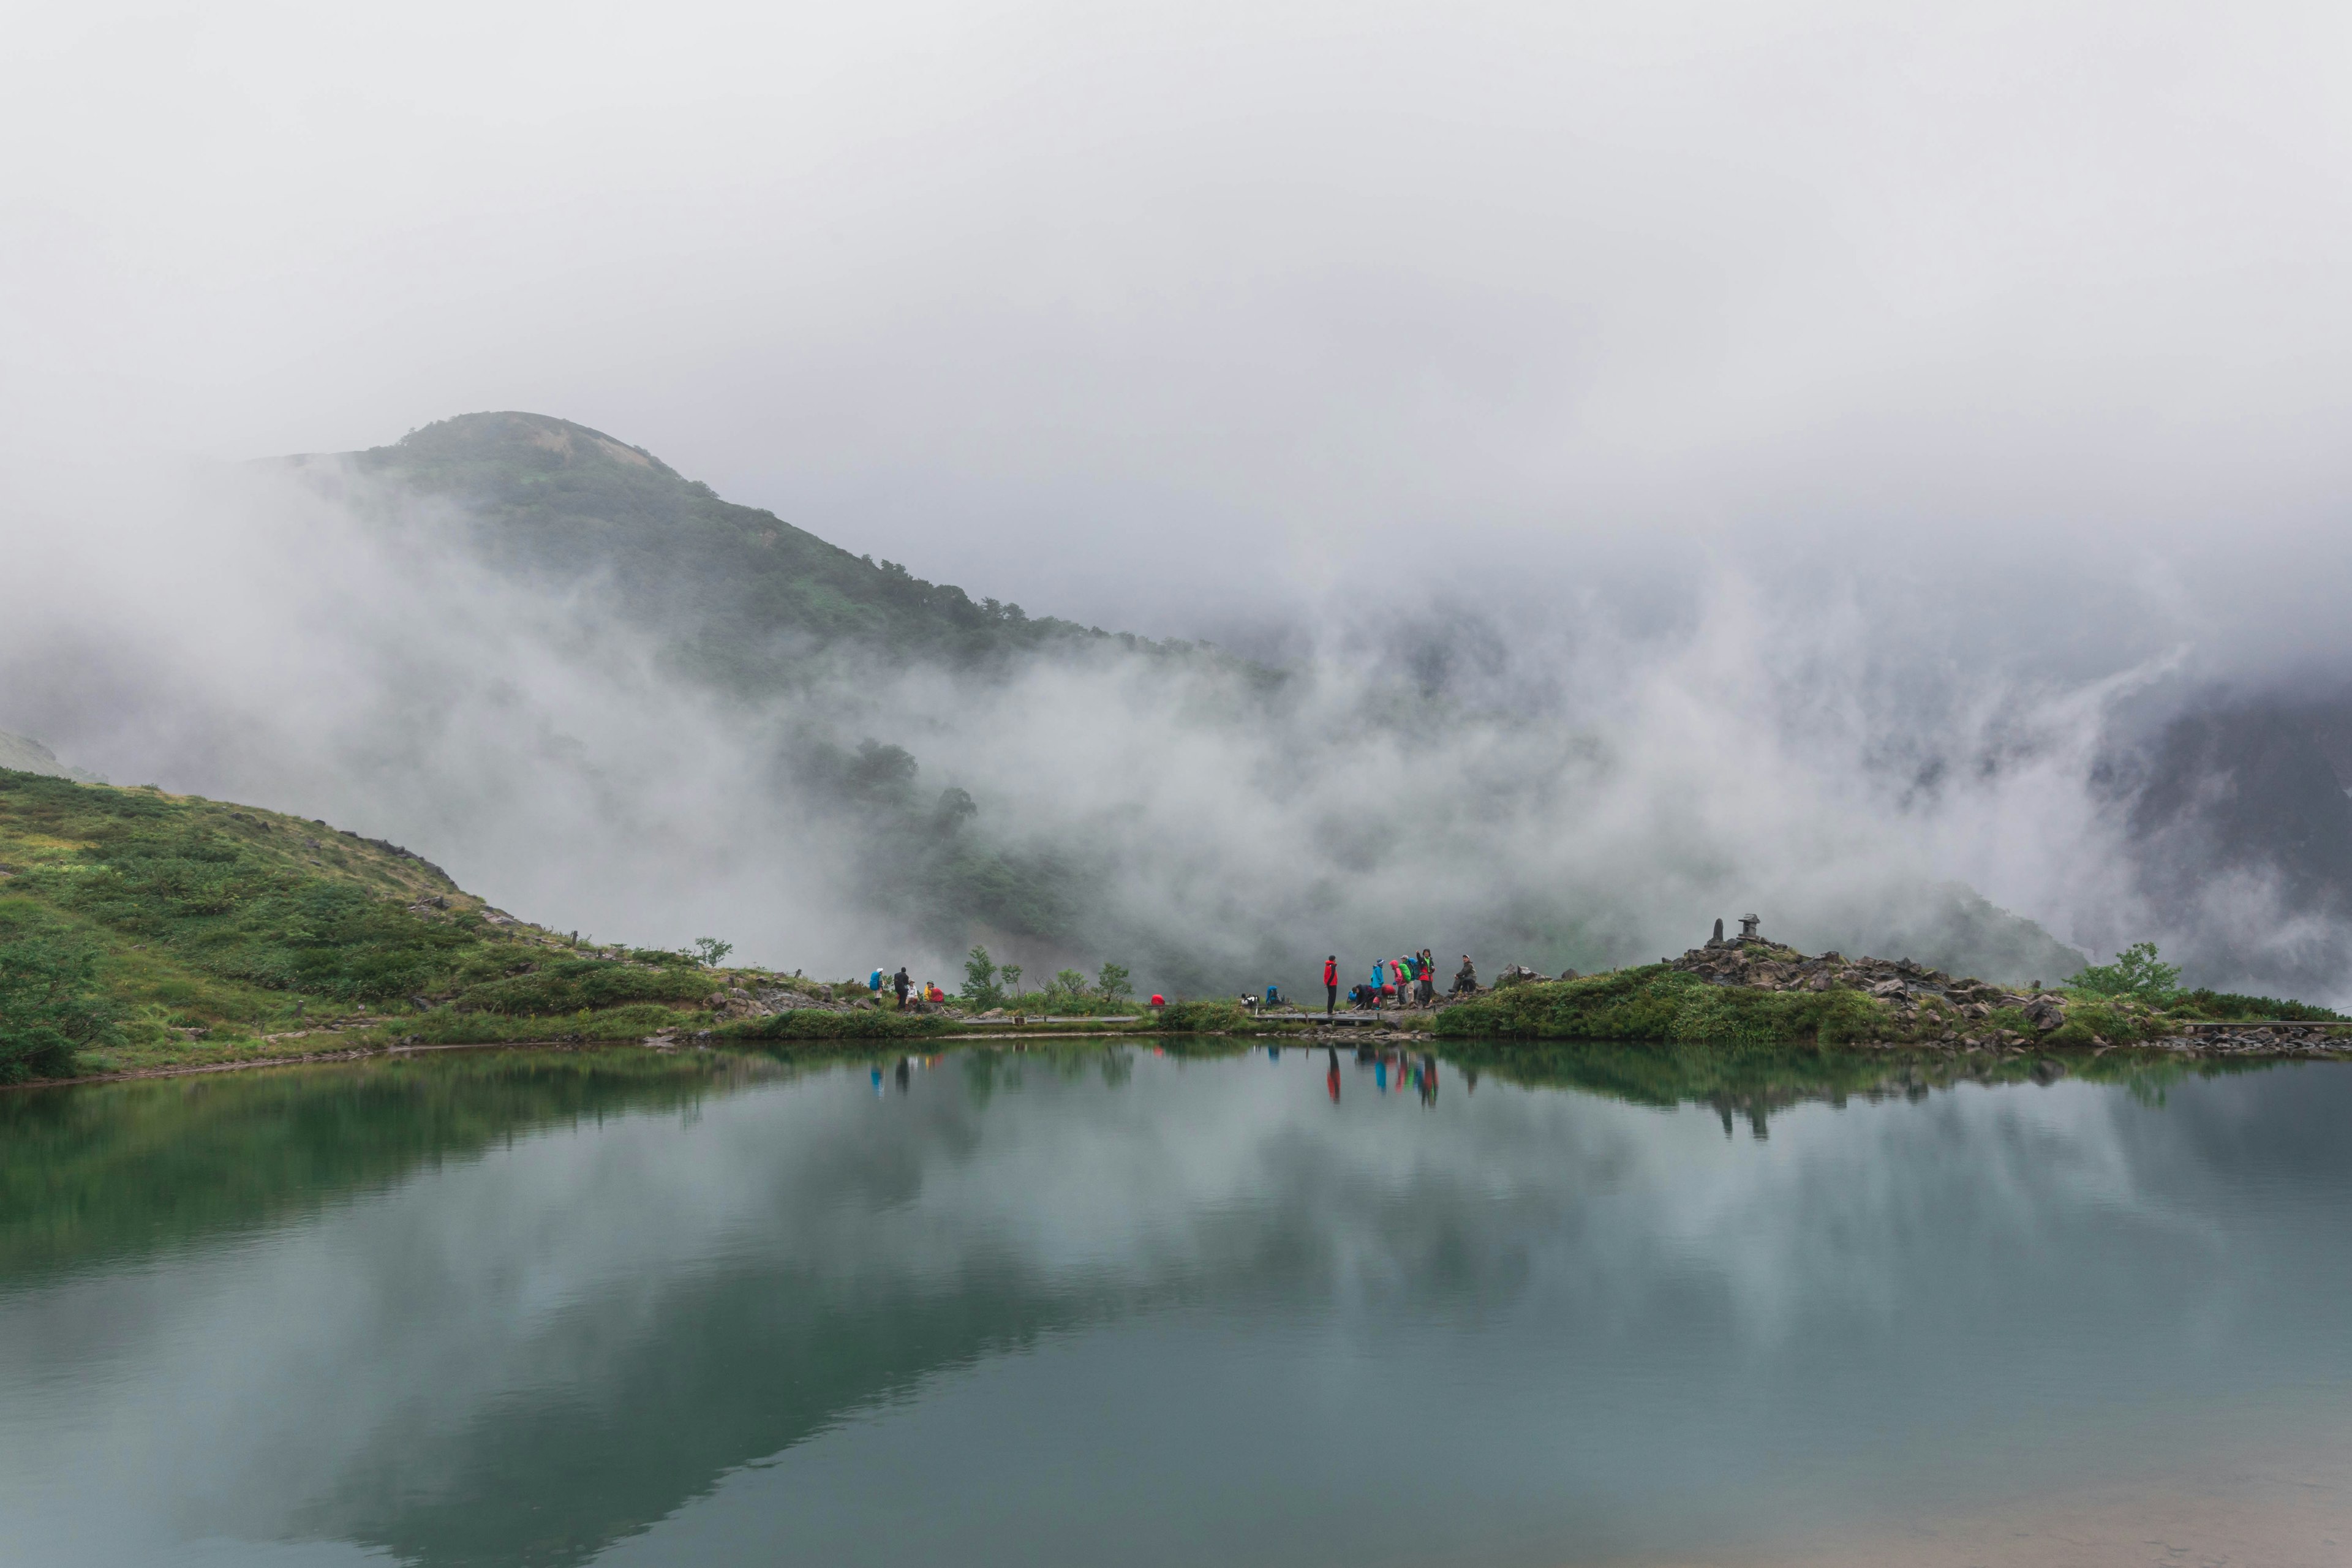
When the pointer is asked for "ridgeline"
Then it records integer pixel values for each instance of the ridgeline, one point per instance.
(142, 930)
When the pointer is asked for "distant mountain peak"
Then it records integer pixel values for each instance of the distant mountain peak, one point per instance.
(514, 434)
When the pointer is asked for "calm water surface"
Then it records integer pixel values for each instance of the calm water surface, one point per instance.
(1097, 1306)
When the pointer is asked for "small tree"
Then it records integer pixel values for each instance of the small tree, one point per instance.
(708, 950)
(2136, 973)
(1071, 983)
(980, 987)
(1113, 982)
(1008, 975)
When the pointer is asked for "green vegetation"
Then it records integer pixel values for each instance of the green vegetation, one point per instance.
(51, 1007)
(980, 980)
(737, 593)
(2138, 997)
(2136, 973)
(814, 1023)
(1208, 1019)
(2222, 1006)
(139, 929)
(1656, 1002)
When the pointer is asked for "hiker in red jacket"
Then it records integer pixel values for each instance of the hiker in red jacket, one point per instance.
(1331, 984)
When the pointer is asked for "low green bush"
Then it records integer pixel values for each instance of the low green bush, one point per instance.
(1205, 1018)
(51, 1007)
(814, 1024)
(2222, 1006)
(2088, 1023)
(1656, 1002)
(572, 984)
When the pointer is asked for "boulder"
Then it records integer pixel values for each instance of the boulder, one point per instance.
(1518, 975)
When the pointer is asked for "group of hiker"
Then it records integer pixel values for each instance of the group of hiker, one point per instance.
(1407, 982)
(903, 984)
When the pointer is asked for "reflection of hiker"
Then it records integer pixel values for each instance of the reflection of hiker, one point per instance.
(1331, 1076)
(1466, 980)
(1331, 984)
(902, 983)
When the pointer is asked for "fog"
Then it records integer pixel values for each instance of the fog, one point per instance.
(311, 641)
(1805, 440)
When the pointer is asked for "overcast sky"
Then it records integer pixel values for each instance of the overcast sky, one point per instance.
(1122, 311)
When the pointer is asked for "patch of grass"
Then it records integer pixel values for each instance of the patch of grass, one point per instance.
(2220, 1006)
(814, 1023)
(51, 1007)
(1207, 1018)
(194, 931)
(1656, 1002)
(567, 986)
(2090, 1023)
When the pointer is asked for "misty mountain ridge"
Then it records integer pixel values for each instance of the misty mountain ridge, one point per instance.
(738, 595)
(813, 639)
(23, 755)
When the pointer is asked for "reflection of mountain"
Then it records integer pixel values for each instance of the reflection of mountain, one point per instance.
(1752, 1084)
(91, 1177)
(941, 1324)
(732, 1368)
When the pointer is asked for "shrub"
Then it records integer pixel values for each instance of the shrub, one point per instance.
(2222, 1005)
(49, 1007)
(814, 1023)
(578, 983)
(2090, 1022)
(2136, 973)
(1654, 1002)
(980, 987)
(1204, 1018)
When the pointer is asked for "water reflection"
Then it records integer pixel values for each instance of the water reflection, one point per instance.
(1080, 1305)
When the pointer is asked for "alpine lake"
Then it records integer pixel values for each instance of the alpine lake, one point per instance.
(1157, 1303)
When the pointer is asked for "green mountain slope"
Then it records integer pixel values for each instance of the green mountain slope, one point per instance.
(744, 597)
(141, 928)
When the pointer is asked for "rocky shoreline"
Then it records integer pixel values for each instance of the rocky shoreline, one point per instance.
(1946, 1014)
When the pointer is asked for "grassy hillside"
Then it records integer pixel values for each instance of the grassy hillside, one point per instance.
(742, 596)
(141, 928)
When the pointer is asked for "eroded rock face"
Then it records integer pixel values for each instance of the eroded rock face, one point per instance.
(1519, 975)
